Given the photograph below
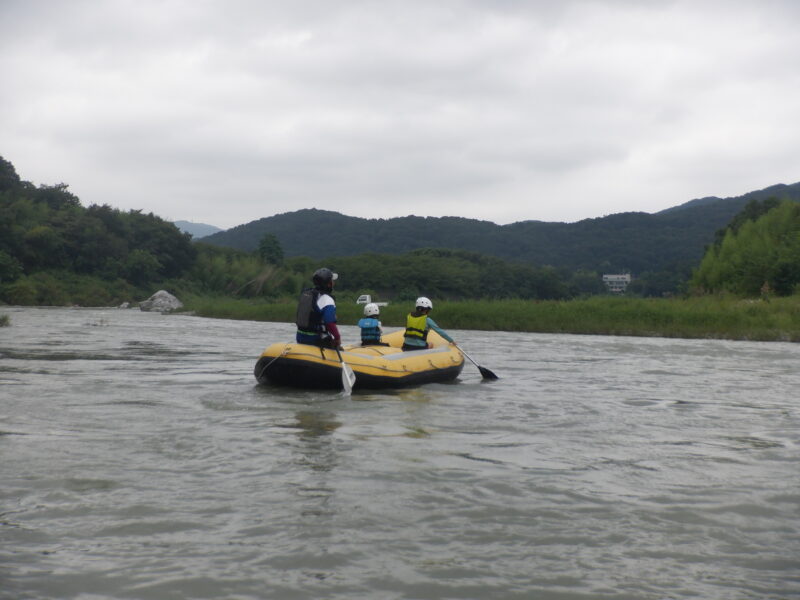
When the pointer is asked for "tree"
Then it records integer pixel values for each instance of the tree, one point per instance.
(9, 179)
(10, 269)
(43, 248)
(586, 283)
(752, 211)
(56, 196)
(763, 251)
(269, 249)
(141, 267)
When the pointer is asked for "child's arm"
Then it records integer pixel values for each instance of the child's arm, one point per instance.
(432, 324)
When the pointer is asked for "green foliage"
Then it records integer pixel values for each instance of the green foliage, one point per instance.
(225, 307)
(5, 321)
(269, 249)
(9, 179)
(21, 292)
(62, 288)
(756, 257)
(441, 273)
(56, 197)
(752, 211)
(45, 230)
(696, 317)
(141, 267)
(585, 283)
(10, 268)
(48, 242)
(227, 271)
(657, 284)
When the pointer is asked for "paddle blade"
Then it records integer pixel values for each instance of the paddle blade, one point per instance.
(486, 373)
(348, 378)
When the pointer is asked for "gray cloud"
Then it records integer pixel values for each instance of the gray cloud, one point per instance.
(225, 112)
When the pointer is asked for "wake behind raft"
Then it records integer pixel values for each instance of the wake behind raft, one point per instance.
(375, 367)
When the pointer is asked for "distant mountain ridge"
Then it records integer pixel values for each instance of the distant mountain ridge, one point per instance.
(632, 241)
(779, 191)
(198, 230)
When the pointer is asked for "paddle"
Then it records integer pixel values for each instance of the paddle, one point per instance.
(348, 377)
(486, 373)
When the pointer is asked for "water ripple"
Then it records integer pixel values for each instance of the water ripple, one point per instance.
(139, 459)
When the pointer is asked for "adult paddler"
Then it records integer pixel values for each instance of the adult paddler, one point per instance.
(316, 312)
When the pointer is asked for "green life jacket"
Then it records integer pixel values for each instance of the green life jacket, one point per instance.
(417, 327)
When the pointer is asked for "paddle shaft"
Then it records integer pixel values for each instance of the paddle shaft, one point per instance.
(347, 374)
(485, 373)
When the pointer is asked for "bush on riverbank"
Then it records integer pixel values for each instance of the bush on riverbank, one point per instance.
(697, 317)
(64, 288)
(5, 321)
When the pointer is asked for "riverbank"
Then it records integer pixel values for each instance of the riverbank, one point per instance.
(777, 319)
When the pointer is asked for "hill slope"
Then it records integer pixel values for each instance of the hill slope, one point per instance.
(626, 241)
(197, 230)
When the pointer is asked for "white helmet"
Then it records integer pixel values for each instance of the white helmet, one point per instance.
(423, 302)
(371, 310)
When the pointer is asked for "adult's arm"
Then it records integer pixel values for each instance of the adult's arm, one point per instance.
(328, 308)
(334, 331)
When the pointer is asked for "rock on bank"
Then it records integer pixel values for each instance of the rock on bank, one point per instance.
(161, 301)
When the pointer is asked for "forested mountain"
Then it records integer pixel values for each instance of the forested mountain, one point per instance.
(637, 242)
(55, 251)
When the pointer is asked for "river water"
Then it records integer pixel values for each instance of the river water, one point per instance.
(139, 459)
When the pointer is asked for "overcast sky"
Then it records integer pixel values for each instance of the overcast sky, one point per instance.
(224, 112)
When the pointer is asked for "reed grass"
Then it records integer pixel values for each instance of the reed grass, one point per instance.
(5, 321)
(777, 319)
(225, 307)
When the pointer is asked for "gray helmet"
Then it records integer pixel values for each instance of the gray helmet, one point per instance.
(371, 310)
(324, 277)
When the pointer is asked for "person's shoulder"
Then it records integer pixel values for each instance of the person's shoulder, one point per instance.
(325, 300)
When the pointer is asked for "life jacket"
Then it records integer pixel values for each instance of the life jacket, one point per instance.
(417, 327)
(370, 330)
(309, 317)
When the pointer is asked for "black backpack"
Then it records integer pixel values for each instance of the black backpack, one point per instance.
(308, 316)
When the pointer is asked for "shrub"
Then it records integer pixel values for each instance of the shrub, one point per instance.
(21, 292)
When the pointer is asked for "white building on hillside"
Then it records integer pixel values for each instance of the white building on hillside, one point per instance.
(617, 284)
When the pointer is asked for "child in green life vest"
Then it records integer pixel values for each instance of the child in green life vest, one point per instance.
(371, 327)
(418, 324)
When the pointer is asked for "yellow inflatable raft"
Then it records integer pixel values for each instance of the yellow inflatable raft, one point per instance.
(301, 365)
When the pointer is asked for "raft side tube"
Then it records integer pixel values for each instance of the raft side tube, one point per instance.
(305, 366)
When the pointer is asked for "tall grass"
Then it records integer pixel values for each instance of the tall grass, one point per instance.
(703, 317)
(225, 307)
(700, 317)
(5, 321)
